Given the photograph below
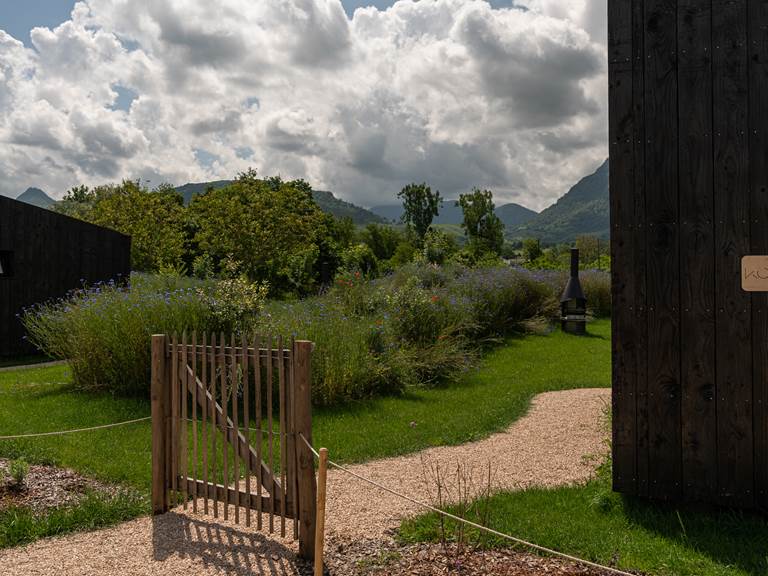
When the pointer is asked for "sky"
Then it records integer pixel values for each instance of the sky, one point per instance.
(359, 97)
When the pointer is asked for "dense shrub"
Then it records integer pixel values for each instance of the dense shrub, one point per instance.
(595, 283)
(421, 325)
(104, 331)
(597, 289)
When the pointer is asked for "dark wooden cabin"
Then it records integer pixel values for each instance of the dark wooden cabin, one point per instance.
(689, 199)
(43, 255)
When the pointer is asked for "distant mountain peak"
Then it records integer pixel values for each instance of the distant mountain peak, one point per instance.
(583, 210)
(36, 197)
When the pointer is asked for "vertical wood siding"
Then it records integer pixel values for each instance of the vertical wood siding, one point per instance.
(689, 198)
(52, 254)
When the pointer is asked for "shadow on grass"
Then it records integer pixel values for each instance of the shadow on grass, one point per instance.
(728, 537)
(232, 550)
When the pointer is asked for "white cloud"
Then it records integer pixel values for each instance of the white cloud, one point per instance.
(448, 91)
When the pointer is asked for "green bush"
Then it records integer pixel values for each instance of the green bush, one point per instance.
(597, 289)
(104, 331)
(421, 325)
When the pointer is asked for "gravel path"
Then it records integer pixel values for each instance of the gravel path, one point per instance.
(549, 446)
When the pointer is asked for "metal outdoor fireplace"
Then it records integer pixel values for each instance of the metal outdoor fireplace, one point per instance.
(573, 303)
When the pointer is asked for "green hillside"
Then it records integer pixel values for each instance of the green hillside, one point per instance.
(585, 209)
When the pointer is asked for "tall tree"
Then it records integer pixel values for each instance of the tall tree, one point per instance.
(420, 206)
(273, 229)
(484, 229)
(154, 219)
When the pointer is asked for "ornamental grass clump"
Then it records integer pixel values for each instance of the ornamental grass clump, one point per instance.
(104, 331)
(423, 325)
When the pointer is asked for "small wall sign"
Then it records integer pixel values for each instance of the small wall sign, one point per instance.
(754, 273)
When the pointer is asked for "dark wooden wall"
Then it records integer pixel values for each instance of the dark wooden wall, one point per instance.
(689, 198)
(52, 254)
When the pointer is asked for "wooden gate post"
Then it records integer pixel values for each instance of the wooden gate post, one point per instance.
(302, 352)
(159, 409)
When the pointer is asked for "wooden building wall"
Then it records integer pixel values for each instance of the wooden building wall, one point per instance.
(689, 198)
(51, 254)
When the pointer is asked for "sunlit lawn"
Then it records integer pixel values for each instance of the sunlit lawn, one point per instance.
(485, 400)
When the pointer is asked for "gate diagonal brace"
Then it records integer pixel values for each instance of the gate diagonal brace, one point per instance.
(204, 399)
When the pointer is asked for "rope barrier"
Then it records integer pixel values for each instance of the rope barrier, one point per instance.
(431, 508)
(60, 433)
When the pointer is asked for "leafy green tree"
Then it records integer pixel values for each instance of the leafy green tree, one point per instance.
(420, 206)
(154, 219)
(531, 249)
(439, 246)
(360, 258)
(484, 229)
(382, 239)
(404, 254)
(273, 229)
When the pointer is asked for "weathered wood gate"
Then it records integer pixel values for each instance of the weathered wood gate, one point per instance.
(689, 199)
(227, 419)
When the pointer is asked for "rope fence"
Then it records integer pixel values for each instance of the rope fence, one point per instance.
(431, 508)
(63, 432)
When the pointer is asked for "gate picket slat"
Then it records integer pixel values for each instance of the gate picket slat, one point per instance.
(194, 421)
(292, 456)
(184, 430)
(214, 428)
(224, 406)
(236, 440)
(204, 368)
(246, 427)
(259, 435)
(175, 418)
(230, 362)
(281, 415)
(270, 435)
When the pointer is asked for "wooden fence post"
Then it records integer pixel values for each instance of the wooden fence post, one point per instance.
(322, 479)
(302, 352)
(159, 449)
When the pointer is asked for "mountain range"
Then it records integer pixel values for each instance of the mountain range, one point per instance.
(584, 209)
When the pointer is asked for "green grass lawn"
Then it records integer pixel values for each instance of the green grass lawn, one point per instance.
(485, 400)
(594, 523)
(588, 521)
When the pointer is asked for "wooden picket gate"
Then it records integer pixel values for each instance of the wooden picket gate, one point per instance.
(216, 440)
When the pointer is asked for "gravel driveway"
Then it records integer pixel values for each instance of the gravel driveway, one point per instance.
(550, 446)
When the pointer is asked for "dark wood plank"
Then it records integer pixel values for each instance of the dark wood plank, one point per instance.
(731, 181)
(697, 249)
(639, 246)
(758, 177)
(621, 137)
(51, 252)
(663, 270)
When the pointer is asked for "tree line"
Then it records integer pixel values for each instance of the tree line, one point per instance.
(272, 230)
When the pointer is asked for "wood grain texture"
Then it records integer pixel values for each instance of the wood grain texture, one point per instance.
(624, 349)
(758, 183)
(696, 355)
(732, 207)
(697, 250)
(663, 262)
